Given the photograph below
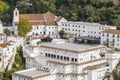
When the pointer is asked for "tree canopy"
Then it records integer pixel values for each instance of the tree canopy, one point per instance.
(24, 27)
(7, 32)
(61, 33)
(101, 11)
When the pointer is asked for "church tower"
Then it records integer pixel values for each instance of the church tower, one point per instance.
(15, 20)
(1, 27)
(16, 15)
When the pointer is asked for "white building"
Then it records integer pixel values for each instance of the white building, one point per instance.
(68, 61)
(17, 39)
(33, 74)
(42, 24)
(111, 38)
(2, 38)
(35, 40)
(84, 28)
(7, 51)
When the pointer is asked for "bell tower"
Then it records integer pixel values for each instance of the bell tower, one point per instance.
(1, 27)
(16, 15)
(15, 20)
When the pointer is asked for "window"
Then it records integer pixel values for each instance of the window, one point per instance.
(113, 35)
(57, 56)
(8, 49)
(52, 32)
(64, 58)
(113, 40)
(45, 54)
(118, 36)
(67, 58)
(16, 13)
(52, 55)
(72, 59)
(61, 57)
(48, 55)
(107, 40)
(107, 35)
(37, 27)
(75, 60)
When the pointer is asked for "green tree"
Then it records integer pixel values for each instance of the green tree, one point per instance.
(74, 16)
(61, 33)
(24, 27)
(7, 32)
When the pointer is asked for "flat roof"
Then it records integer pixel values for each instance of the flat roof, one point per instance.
(87, 24)
(31, 73)
(97, 66)
(71, 47)
(75, 63)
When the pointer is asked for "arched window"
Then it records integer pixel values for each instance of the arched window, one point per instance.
(16, 13)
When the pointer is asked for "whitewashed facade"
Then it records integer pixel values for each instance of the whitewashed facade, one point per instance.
(84, 28)
(68, 61)
(33, 74)
(111, 38)
(17, 39)
(42, 24)
(7, 51)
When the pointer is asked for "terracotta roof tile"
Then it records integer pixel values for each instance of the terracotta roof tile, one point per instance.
(111, 31)
(1, 34)
(3, 45)
(40, 19)
(32, 16)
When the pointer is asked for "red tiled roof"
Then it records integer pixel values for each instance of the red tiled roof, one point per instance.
(41, 19)
(112, 31)
(3, 45)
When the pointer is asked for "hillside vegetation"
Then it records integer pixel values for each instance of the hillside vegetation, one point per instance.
(3, 6)
(101, 11)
